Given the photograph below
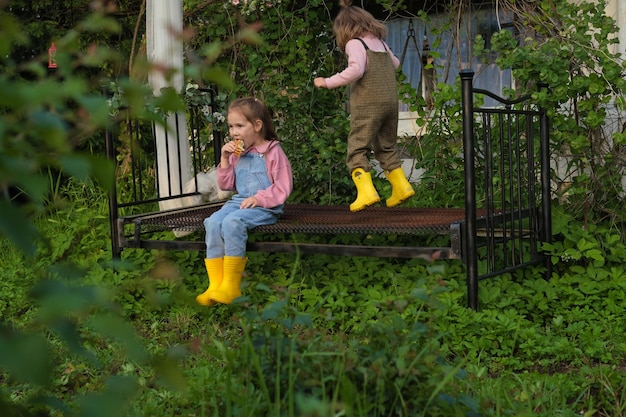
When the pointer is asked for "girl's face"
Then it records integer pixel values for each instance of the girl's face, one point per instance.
(239, 127)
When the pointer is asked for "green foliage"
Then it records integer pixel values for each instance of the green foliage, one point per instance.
(312, 336)
(46, 115)
(315, 334)
(297, 46)
(574, 56)
(43, 118)
(441, 152)
(56, 325)
(306, 369)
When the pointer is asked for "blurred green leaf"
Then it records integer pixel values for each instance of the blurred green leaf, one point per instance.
(123, 333)
(112, 401)
(25, 356)
(17, 227)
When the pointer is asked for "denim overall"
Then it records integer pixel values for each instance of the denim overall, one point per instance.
(227, 228)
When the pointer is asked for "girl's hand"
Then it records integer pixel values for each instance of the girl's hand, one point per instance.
(228, 148)
(249, 202)
(320, 82)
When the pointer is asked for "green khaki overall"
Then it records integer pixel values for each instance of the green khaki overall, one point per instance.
(374, 126)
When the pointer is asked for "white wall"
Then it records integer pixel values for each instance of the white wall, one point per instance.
(617, 10)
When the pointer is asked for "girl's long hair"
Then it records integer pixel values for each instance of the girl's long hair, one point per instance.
(352, 22)
(254, 109)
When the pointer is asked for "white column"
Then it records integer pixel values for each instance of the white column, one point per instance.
(617, 10)
(621, 23)
(164, 21)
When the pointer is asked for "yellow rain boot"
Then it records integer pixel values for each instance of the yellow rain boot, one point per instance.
(230, 288)
(366, 193)
(215, 269)
(401, 189)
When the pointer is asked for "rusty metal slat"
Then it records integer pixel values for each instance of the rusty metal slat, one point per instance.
(318, 219)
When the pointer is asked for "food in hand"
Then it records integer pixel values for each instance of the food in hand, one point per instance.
(238, 147)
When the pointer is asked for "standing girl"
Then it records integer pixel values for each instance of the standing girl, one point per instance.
(371, 71)
(253, 165)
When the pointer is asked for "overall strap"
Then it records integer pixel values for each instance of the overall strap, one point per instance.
(384, 44)
(364, 44)
(367, 48)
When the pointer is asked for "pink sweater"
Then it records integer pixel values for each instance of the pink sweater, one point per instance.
(357, 60)
(278, 171)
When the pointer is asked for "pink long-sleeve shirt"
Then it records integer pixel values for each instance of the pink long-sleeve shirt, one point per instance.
(278, 171)
(357, 60)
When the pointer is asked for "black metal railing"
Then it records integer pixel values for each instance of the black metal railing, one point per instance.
(138, 189)
(510, 144)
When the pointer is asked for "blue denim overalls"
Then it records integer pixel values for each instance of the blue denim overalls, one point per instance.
(227, 228)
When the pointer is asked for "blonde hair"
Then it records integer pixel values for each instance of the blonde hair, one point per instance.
(352, 22)
(254, 109)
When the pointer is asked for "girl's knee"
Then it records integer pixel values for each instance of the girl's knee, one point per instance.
(210, 224)
(232, 224)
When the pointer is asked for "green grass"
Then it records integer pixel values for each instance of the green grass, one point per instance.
(312, 335)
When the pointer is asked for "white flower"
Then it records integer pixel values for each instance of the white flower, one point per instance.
(218, 117)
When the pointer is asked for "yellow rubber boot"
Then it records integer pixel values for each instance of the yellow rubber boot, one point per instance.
(230, 288)
(215, 269)
(366, 193)
(401, 189)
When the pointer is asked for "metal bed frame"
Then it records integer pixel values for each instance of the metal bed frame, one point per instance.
(505, 152)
